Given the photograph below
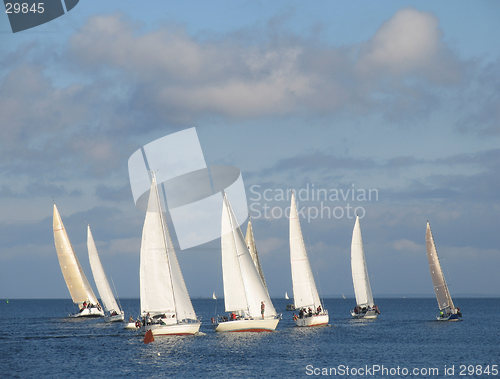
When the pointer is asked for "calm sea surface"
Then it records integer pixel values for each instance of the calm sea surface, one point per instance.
(37, 340)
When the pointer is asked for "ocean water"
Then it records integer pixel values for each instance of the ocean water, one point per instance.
(37, 340)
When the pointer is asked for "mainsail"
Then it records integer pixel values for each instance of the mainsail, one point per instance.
(243, 287)
(252, 248)
(75, 279)
(362, 288)
(162, 286)
(107, 297)
(305, 293)
(440, 288)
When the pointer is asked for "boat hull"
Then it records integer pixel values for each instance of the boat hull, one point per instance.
(450, 317)
(366, 315)
(115, 318)
(89, 312)
(181, 329)
(263, 325)
(314, 320)
(132, 325)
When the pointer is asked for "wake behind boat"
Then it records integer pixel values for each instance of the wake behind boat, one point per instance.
(365, 307)
(447, 310)
(245, 295)
(113, 312)
(79, 288)
(165, 304)
(305, 294)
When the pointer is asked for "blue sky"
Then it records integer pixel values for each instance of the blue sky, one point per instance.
(398, 96)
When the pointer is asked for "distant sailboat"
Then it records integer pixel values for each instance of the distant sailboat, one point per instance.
(305, 294)
(79, 288)
(245, 294)
(213, 296)
(289, 307)
(113, 311)
(365, 307)
(448, 311)
(252, 248)
(165, 303)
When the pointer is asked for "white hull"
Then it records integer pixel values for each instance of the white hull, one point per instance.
(115, 318)
(131, 325)
(174, 329)
(367, 315)
(265, 325)
(89, 312)
(314, 320)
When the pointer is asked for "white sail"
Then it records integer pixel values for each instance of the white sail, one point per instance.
(440, 288)
(213, 296)
(162, 286)
(286, 296)
(107, 297)
(75, 279)
(362, 288)
(252, 248)
(305, 293)
(155, 279)
(243, 287)
(183, 306)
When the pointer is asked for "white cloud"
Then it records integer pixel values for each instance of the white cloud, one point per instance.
(405, 245)
(410, 44)
(177, 76)
(410, 40)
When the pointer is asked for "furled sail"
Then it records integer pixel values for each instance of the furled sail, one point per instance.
(362, 288)
(107, 297)
(305, 293)
(252, 248)
(75, 279)
(243, 287)
(440, 288)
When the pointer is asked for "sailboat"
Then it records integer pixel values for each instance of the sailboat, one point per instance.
(213, 296)
(305, 294)
(165, 304)
(112, 310)
(79, 288)
(447, 310)
(252, 248)
(245, 294)
(289, 307)
(365, 307)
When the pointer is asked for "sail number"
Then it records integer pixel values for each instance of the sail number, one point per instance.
(24, 8)
(477, 370)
